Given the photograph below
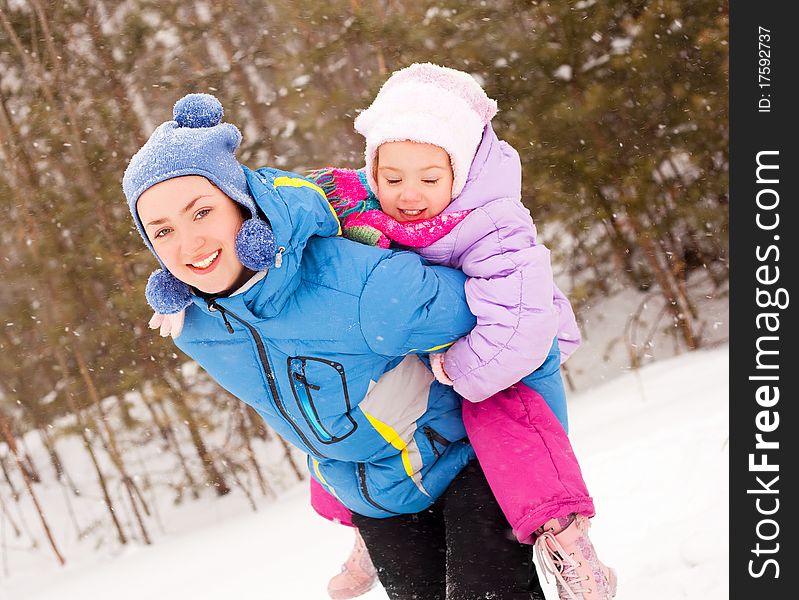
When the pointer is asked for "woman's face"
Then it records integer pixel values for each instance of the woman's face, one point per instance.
(414, 181)
(192, 226)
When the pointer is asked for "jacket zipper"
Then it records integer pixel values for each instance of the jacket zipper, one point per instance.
(306, 403)
(301, 378)
(306, 406)
(270, 376)
(365, 490)
(433, 436)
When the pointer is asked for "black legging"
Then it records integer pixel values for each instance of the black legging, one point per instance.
(461, 548)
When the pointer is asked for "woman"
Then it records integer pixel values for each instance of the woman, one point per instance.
(327, 340)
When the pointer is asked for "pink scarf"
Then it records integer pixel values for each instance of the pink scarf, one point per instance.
(362, 220)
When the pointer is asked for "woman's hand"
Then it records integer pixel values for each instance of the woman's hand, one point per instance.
(437, 364)
(167, 324)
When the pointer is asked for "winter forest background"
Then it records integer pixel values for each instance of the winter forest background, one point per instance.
(619, 112)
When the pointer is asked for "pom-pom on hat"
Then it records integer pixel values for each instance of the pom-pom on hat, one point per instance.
(196, 142)
(430, 104)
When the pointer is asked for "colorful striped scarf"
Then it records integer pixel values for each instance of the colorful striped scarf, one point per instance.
(362, 220)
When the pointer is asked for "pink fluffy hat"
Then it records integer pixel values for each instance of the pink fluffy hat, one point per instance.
(429, 104)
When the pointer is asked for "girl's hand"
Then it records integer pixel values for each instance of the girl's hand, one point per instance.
(437, 364)
(167, 324)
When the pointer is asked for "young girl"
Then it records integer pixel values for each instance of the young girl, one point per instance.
(322, 336)
(447, 188)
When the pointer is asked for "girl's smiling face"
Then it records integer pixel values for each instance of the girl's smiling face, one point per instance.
(192, 226)
(414, 181)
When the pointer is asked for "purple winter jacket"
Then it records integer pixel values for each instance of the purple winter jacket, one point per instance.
(510, 289)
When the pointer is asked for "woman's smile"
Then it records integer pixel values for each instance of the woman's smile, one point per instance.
(207, 264)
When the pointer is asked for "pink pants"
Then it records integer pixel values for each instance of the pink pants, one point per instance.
(525, 455)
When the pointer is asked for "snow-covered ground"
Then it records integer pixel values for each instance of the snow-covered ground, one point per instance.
(653, 445)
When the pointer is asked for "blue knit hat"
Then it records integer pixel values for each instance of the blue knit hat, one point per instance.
(196, 143)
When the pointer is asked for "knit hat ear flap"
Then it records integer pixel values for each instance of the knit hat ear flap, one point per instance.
(166, 294)
(255, 245)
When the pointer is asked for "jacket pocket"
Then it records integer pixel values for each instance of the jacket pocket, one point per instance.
(437, 441)
(320, 390)
(367, 496)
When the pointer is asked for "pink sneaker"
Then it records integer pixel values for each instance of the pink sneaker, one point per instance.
(564, 550)
(358, 574)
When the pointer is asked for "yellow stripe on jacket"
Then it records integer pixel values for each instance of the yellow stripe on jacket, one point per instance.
(393, 438)
(299, 182)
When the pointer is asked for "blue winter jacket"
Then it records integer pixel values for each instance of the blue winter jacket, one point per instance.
(306, 345)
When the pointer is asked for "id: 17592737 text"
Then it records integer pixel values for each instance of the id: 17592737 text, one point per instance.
(764, 69)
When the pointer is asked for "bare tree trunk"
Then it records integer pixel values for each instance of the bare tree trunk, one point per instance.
(214, 476)
(240, 76)
(14, 492)
(110, 70)
(599, 277)
(3, 541)
(245, 436)
(100, 476)
(62, 476)
(4, 508)
(112, 447)
(671, 249)
(6, 431)
(70, 509)
(257, 424)
(287, 451)
(677, 303)
(55, 459)
(381, 60)
(233, 469)
(621, 245)
(33, 472)
(110, 438)
(168, 434)
(90, 450)
(10, 135)
(83, 181)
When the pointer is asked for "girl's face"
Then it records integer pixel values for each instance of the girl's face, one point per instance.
(192, 225)
(414, 181)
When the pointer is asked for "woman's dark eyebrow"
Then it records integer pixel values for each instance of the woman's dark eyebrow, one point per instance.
(183, 211)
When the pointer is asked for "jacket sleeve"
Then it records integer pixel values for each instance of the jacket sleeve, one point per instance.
(408, 306)
(569, 337)
(510, 291)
